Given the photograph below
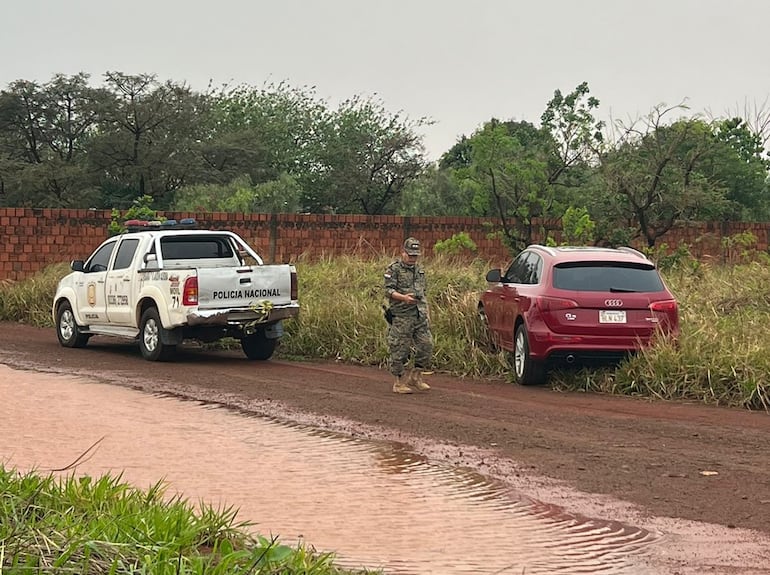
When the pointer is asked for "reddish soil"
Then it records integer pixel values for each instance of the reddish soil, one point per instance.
(650, 453)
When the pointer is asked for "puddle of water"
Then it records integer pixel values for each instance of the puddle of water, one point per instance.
(373, 504)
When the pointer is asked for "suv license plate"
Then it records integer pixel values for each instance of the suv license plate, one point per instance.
(612, 316)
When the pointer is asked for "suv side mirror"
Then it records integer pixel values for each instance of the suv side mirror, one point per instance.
(494, 276)
(77, 265)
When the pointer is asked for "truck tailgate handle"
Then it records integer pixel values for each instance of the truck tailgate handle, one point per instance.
(245, 280)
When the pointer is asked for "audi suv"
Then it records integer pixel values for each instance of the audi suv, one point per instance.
(575, 305)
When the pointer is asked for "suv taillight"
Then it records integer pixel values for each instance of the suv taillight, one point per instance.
(664, 306)
(555, 303)
(190, 292)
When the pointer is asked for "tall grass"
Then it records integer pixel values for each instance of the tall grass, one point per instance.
(29, 301)
(104, 526)
(722, 356)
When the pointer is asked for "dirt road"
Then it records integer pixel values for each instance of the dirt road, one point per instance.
(674, 460)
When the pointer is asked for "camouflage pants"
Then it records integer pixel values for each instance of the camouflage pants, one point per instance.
(407, 334)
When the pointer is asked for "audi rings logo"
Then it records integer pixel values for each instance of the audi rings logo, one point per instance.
(613, 302)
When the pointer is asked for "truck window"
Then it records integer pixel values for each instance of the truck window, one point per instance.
(100, 258)
(196, 247)
(125, 254)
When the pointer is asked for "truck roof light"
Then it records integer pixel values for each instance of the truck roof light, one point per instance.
(142, 225)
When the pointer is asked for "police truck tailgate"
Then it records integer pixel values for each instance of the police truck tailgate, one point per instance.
(242, 287)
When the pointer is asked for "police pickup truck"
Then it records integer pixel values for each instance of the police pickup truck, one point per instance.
(160, 284)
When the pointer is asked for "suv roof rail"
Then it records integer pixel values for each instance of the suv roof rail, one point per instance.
(546, 249)
(631, 250)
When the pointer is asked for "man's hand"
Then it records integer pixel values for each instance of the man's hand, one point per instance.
(406, 298)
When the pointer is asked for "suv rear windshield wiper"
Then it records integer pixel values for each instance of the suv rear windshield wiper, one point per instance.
(622, 290)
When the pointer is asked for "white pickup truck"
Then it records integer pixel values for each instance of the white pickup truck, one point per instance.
(162, 285)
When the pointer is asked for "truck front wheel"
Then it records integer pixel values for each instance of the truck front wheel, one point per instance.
(67, 329)
(258, 346)
(150, 342)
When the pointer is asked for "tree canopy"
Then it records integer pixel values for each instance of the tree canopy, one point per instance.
(280, 148)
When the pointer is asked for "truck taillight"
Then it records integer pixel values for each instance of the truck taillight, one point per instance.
(294, 287)
(190, 292)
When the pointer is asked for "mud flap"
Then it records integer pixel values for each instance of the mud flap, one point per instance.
(171, 336)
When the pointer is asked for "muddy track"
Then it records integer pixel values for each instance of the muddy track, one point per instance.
(650, 453)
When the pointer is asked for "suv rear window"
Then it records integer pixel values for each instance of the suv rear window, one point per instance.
(607, 277)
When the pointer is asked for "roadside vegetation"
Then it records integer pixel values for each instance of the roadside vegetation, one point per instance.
(721, 358)
(92, 526)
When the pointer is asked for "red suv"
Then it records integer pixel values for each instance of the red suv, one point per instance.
(575, 305)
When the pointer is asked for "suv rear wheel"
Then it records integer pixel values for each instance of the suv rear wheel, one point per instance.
(526, 371)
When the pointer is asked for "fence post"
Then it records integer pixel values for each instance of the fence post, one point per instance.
(273, 241)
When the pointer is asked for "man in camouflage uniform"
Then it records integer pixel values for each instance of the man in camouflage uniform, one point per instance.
(409, 328)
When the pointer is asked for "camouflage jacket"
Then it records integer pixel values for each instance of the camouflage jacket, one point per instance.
(405, 279)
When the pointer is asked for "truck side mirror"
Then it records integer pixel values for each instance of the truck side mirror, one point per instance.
(77, 265)
(150, 262)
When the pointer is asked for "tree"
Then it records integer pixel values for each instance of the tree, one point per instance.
(515, 178)
(44, 130)
(531, 172)
(367, 158)
(262, 132)
(652, 174)
(739, 164)
(148, 136)
(756, 119)
(241, 195)
(569, 121)
(438, 192)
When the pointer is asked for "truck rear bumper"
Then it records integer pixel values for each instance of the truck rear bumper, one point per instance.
(260, 314)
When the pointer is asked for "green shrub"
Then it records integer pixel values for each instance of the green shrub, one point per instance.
(458, 244)
(141, 209)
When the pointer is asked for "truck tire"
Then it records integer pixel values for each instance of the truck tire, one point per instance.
(258, 346)
(150, 341)
(67, 329)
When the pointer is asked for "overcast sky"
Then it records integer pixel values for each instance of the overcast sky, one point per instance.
(458, 63)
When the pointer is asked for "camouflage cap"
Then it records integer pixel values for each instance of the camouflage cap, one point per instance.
(412, 247)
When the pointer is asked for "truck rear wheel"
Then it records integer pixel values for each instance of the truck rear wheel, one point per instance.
(258, 346)
(150, 343)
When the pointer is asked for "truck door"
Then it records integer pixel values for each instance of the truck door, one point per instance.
(120, 295)
(91, 295)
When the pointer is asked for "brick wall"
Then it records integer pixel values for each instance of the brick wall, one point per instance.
(31, 239)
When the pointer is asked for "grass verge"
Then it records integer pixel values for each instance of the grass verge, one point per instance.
(105, 526)
(721, 358)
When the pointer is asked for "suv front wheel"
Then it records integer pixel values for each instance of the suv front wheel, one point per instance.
(526, 371)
